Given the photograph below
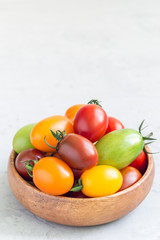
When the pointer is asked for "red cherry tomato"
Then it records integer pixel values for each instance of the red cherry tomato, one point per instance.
(91, 122)
(113, 124)
(28, 154)
(130, 176)
(140, 162)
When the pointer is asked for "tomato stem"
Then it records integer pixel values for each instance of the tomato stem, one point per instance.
(77, 187)
(58, 135)
(147, 137)
(49, 144)
(95, 101)
(149, 152)
(30, 167)
(140, 126)
(147, 143)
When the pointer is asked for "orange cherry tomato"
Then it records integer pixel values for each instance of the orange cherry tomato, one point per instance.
(42, 129)
(53, 176)
(71, 112)
(130, 176)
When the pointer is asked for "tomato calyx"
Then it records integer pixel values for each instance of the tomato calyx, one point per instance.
(95, 101)
(77, 187)
(58, 135)
(29, 166)
(148, 137)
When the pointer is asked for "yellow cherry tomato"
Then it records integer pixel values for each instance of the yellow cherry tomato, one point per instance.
(71, 112)
(101, 181)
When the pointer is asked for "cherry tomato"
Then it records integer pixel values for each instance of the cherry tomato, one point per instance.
(119, 148)
(53, 176)
(91, 122)
(71, 112)
(77, 151)
(42, 129)
(130, 176)
(21, 140)
(52, 155)
(140, 162)
(77, 172)
(28, 154)
(47, 154)
(113, 124)
(101, 181)
(75, 195)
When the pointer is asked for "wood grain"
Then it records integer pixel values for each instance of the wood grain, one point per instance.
(79, 211)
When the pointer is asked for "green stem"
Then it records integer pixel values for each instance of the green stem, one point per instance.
(58, 135)
(95, 101)
(147, 143)
(76, 189)
(30, 167)
(147, 137)
(77, 186)
(140, 127)
(150, 152)
(49, 144)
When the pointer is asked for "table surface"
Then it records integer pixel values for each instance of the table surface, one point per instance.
(54, 54)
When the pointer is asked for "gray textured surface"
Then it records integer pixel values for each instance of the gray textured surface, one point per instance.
(57, 53)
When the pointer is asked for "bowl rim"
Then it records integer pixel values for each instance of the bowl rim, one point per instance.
(64, 198)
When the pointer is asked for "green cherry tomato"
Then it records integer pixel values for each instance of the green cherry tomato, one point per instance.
(119, 148)
(21, 140)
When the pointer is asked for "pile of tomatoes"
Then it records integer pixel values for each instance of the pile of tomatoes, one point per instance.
(84, 153)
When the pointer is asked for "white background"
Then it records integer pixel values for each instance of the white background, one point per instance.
(54, 54)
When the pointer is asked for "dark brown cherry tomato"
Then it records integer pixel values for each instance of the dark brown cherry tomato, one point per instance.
(52, 155)
(77, 151)
(140, 162)
(75, 195)
(77, 172)
(113, 124)
(57, 156)
(130, 176)
(28, 154)
(91, 122)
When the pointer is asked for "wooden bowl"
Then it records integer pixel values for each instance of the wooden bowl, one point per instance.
(79, 211)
